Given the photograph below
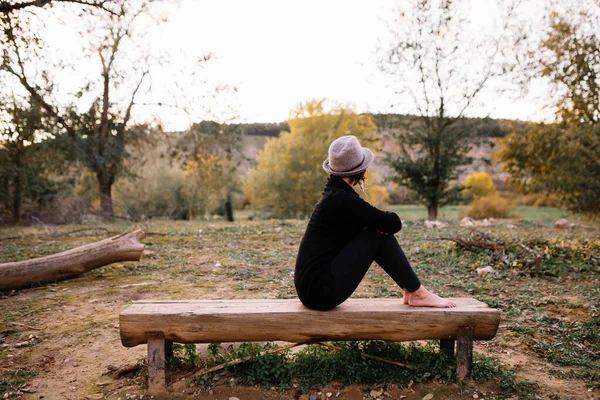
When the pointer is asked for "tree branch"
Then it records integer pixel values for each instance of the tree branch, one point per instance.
(6, 7)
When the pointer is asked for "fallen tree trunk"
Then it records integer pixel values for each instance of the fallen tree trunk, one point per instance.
(71, 263)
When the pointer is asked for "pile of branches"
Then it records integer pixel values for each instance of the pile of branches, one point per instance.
(535, 255)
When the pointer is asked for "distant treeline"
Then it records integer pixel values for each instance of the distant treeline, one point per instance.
(264, 129)
(487, 127)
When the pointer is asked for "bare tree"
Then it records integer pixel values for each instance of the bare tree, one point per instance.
(438, 60)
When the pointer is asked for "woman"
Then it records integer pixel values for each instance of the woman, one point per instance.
(346, 234)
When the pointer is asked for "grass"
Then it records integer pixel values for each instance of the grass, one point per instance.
(316, 366)
(550, 310)
(454, 213)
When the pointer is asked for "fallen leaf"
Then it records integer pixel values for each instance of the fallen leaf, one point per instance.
(428, 396)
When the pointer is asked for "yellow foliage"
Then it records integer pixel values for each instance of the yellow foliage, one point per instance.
(479, 184)
(288, 178)
(375, 194)
(492, 206)
(155, 190)
(206, 181)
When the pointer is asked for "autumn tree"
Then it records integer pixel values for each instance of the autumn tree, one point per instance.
(288, 177)
(479, 184)
(563, 158)
(211, 154)
(436, 62)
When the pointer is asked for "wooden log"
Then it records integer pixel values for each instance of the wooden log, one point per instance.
(464, 352)
(216, 321)
(157, 383)
(71, 263)
(447, 347)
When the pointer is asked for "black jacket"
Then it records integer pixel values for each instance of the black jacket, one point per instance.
(339, 216)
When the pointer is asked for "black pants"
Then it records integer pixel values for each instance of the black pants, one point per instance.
(351, 264)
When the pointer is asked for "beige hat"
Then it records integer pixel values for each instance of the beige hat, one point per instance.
(347, 157)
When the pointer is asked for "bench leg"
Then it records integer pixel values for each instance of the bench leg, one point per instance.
(447, 347)
(157, 383)
(464, 352)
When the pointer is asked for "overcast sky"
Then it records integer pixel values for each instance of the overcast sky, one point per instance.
(280, 53)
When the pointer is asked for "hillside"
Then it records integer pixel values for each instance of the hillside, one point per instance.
(488, 132)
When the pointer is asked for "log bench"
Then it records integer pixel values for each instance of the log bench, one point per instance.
(160, 323)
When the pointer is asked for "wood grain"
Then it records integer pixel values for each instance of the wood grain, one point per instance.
(214, 321)
(464, 352)
(156, 363)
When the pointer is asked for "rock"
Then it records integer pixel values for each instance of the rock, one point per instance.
(233, 398)
(303, 397)
(329, 394)
(376, 392)
(149, 254)
(217, 264)
(485, 271)
(561, 223)
(428, 396)
(313, 397)
(435, 224)
(467, 221)
(96, 396)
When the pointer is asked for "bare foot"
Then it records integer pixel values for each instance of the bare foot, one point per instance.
(406, 296)
(424, 298)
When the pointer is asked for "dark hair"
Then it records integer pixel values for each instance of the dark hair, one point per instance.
(361, 176)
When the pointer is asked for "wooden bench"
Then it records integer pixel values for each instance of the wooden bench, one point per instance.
(160, 323)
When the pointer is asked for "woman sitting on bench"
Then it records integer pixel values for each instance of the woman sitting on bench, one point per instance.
(346, 234)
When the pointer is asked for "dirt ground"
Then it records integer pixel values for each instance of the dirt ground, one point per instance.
(59, 340)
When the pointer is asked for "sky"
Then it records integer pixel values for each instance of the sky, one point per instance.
(277, 54)
(280, 53)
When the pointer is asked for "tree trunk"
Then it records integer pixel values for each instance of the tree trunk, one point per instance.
(432, 211)
(228, 211)
(105, 189)
(71, 263)
(18, 192)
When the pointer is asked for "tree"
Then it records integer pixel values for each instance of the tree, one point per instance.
(556, 159)
(211, 154)
(435, 61)
(18, 140)
(288, 177)
(96, 137)
(563, 158)
(7, 7)
(569, 57)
